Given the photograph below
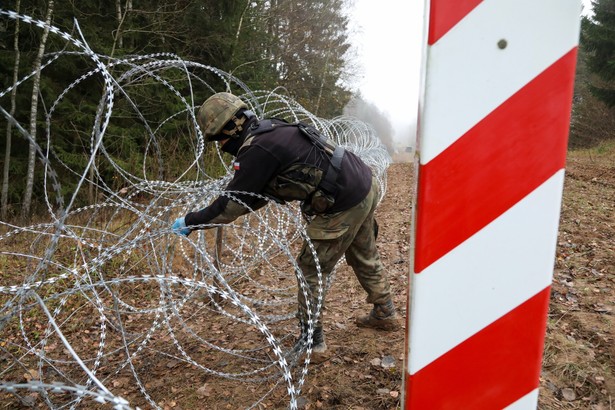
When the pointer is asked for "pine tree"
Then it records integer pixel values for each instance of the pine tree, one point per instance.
(598, 40)
(298, 45)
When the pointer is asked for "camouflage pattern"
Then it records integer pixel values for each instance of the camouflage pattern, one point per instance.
(216, 112)
(296, 183)
(350, 233)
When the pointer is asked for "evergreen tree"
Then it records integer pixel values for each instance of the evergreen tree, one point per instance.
(598, 40)
(308, 42)
(295, 44)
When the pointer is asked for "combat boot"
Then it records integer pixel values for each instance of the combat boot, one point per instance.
(382, 317)
(319, 346)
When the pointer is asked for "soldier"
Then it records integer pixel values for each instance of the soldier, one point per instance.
(294, 162)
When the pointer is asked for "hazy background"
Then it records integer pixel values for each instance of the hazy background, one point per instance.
(387, 39)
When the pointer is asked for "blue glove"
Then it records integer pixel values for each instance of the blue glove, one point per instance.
(179, 227)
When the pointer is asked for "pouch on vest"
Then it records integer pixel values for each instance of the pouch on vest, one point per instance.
(297, 182)
(318, 203)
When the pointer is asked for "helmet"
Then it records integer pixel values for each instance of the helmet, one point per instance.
(217, 111)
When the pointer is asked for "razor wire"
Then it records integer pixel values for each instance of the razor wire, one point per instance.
(105, 292)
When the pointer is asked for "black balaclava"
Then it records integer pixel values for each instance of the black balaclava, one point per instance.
(232, 145)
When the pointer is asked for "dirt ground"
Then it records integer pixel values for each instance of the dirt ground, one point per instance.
(579, 359)
(364, 368)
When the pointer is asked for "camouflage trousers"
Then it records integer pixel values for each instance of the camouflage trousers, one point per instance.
(347, 233)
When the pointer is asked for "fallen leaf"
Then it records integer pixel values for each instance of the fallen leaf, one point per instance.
(30, 374)
(599, 308)
(204, 391)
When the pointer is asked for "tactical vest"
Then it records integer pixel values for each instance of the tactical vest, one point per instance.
(304, 182)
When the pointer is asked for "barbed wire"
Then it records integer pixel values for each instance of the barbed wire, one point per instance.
(102, 292)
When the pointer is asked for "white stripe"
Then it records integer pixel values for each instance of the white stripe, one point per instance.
(527, 402)
(468, 76)
(485, 277)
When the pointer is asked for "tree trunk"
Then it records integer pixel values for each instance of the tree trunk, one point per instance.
(322, 82)
(120, 19)
(238, 32)
(9, 126)
(27, 201)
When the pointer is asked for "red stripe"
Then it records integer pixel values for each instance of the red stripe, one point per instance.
(444, 14)
(491, 370)
(494, 165)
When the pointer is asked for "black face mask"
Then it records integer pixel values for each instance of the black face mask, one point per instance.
(232, 146)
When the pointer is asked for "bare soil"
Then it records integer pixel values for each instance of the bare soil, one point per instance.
(364, 368)
(579, 360)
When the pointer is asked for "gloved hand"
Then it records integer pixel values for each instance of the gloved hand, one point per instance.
(179, 227)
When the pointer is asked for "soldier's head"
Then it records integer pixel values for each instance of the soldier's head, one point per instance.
(222, 117)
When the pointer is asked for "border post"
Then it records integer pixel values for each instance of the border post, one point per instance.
(494, 117)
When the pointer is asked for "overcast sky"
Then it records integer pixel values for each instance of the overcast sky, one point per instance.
(388, 39)
(387, 36)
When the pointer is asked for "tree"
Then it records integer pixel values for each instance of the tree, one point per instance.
(27, 201)
(308, 44)
(9, 126)
(593, 110)
(371, 114)
(598, 40)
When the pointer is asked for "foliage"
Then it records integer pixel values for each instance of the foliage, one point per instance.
(295, 44)
(371, 114)
(598, 39)
(593, 115)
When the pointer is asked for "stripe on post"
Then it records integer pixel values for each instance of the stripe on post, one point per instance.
(493, 133)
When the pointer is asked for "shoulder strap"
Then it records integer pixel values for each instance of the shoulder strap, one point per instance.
(336, 152)
(263, 126)
(317, 138)
(329, 183)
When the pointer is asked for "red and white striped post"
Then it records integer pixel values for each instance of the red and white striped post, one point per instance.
(493, 129)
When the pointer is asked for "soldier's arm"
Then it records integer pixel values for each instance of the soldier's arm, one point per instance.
(256, 167)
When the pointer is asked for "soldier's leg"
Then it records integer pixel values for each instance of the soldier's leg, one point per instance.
(330, 237)
(328, 254)
(362, 255)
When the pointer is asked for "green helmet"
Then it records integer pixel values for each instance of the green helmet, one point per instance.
(217, 111)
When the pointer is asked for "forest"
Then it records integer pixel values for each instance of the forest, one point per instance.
(88, 261)
(300, 47)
